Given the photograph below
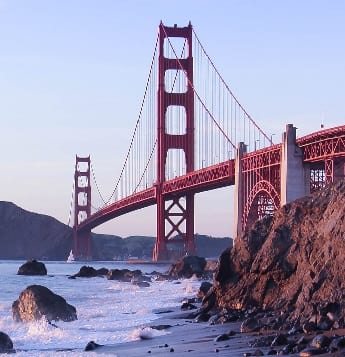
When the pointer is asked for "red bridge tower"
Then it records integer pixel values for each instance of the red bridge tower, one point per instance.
(175, 214)
(82, 208)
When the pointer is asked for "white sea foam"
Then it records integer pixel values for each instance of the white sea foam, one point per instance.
(108, 312)
(146, 333)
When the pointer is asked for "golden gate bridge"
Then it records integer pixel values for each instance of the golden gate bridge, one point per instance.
(193, 135)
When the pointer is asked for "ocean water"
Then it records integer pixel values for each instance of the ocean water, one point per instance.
(109, 312)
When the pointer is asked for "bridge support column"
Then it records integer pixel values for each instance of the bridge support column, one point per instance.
(334, 170)
(238, 194)
(295, 177)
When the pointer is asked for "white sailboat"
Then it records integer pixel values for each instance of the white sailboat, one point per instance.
(70, 258)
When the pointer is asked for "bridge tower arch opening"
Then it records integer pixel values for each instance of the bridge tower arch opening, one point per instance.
(175, 214)
(262, 201)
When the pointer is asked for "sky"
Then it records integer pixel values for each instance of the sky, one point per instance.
(73, 74)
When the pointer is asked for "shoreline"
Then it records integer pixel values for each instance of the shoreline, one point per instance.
(186, 338)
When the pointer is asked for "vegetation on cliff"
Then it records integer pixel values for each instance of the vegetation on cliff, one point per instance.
(26, 235)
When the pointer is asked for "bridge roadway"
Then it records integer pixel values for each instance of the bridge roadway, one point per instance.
(316, 147)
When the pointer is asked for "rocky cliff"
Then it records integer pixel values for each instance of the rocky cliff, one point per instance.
(27, 235)
(292, 261)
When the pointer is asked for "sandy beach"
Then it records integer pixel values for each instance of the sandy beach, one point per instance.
(188, 338)
(184, 337)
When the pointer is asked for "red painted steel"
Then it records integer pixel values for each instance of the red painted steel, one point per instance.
(260, 175)
(323, 154)
(166, 221)
(261, 183)
(82, 185)
(128, 204)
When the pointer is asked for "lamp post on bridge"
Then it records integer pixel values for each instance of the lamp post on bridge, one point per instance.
(271, 138)
(256, 141)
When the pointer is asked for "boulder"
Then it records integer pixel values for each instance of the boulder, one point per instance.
(6, 344)
(37, 301)
(32, 267)
(204, 288)
(89, 272)
(125, 275)
(187, 266)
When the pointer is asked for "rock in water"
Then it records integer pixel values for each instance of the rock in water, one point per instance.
(37, 301)
(187, 266)
(32, 267)
(6, 344)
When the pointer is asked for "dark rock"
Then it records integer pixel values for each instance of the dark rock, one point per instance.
(203, 317)
(309, 326)
(204, 288)
(209, 301)
(257, 353)
(6, 344)
(187, 266)
(86, 272)
(310, 351)
(141, 284)
(102, 271)
(337, 344)
(287, 349)
(160, 327)
(37, 301)
(125, 275)
(291, 261)
(91, 346)
(187, 306)
(279, 340)
(320, 341)
(271, 352)
(325, 323)
(250, 325)
(223, 337)
(32, 267)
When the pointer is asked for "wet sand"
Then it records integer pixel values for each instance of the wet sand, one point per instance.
(186, 338)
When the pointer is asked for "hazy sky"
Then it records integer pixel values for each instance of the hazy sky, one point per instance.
(73, 73)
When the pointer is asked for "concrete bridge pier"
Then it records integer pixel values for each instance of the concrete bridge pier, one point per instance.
(294, 175)
(238, 192)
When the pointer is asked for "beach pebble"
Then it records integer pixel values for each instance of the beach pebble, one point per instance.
(223, 337)
(337, 343)
(257, 353)
(287, 349)
(250, 325)
(187, 306)
(203, 317)
(309, 326)
(6, 344)
(91, 346)
(325, 323)
(279, 340)
(310, 351)
(320, 341)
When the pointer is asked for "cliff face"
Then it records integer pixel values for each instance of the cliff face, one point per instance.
(293, 260)
(25, 235)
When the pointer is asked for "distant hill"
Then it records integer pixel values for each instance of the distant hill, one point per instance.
(25, 235)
